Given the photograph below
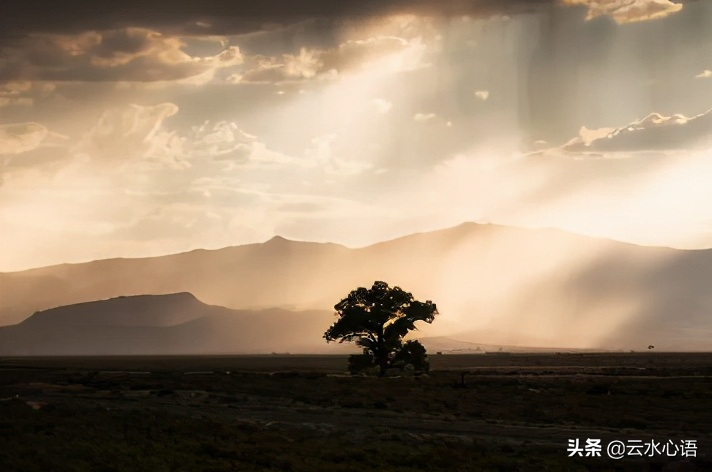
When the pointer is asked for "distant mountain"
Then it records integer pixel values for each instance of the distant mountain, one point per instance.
(253, 276)
(163, 324)
(492, 284)
(141, 310)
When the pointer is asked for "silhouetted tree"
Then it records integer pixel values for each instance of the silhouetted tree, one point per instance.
(413, 353)
(377, 319)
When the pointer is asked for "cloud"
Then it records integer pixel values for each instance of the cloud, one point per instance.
(482, 94)
(27, 148)
(12, 93)
(127, 54)
(384, 53)
(366, 53)
(222, 141)
(705, 74)
(138, 136)
(289, 67)
(321, 155)
(23, 93)
(655, 132)
(424, 117)
(131, 133)
(431, 118)
(225, 142)
(628, 11)
(21, 137)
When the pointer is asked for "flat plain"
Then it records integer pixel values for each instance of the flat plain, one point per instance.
(490, 412)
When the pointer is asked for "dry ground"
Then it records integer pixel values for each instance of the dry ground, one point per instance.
(301, 413)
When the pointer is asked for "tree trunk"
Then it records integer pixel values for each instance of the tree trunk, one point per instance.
(381, 355)
(383, 365)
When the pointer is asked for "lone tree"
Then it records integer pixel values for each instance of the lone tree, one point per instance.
(377, 319)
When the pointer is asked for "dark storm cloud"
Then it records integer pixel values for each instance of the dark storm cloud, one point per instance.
(143, 41)
(134, 54)
(223, 17)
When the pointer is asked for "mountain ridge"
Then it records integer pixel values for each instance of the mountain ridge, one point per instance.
(521, 285)
(279, 238)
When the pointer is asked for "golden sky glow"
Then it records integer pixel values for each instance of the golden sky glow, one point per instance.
(154, 137)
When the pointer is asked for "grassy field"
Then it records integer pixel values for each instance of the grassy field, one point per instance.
(301, 413)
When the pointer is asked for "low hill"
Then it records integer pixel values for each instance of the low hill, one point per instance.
(164, 325)
(140, 310)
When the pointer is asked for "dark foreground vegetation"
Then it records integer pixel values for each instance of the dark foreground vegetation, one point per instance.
(289, 413)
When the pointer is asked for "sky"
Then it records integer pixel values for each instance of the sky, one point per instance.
(157, 127)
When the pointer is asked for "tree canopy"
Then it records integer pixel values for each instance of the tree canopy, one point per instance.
(377, 319)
